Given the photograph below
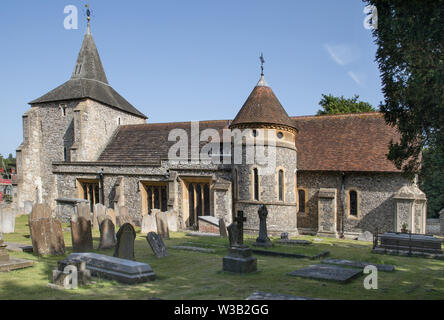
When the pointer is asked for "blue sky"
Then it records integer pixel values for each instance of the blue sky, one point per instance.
(179, 60)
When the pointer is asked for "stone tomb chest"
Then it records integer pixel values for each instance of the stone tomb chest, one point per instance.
(410, 242)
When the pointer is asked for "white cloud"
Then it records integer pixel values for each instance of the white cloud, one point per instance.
(357, 78)
(342, 54)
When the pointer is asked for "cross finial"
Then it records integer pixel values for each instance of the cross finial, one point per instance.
(262, 63)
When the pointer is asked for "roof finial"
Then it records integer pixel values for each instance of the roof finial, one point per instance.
(88, 13)
(262, 64)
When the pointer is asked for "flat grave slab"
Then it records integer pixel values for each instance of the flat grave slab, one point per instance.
(121, 270)
(273, 296)
(202, 234)
(18, 247)
(359, 264)
(13, 264)
(327, 272)
(294, 242)
(291, 255)
(195, 249)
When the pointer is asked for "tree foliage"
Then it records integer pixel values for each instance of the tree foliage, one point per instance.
(432, 180)
(410, 54)
(335, 105)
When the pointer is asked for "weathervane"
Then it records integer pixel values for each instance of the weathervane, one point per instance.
(262, 63)
(88, 13)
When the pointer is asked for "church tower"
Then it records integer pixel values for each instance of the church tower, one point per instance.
(71, 123)
(263, 121)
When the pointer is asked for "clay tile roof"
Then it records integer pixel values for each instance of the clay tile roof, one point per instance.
(147, 142)
(350, 142)
(262, 107)
(88, 80)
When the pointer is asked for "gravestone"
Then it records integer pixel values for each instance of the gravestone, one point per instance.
(46, 232)
(366, 236)
(110, 213)
(81, 234)
(263, 240)
(9, 264)
(208, 224)
(107, 234)
(27, 208)
(284, 236)
(98, 215)
(327, 272)
(149, 224)
(222, 228)
(156, 243)
(239, 258)
(162, 225)
(172, 220)
(121, 270)
(84, 210)
(125, 242)
(7, 219)
(124, 217)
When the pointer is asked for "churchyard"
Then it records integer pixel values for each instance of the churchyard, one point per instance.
(197, 274)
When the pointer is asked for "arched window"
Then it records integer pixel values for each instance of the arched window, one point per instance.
(281, 185)
(256, 184)
(301, 199)
(353, 203)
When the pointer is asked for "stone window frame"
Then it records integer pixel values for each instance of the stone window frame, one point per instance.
(63, 107)
(300, 188)
(358, 203)
(185, 182)
(252, 184)
(143, 185)
(278, 170)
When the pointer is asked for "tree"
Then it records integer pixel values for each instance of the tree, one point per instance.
(432, 180)
(336, 105)
(410, 40)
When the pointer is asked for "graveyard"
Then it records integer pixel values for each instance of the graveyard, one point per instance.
(192, 270)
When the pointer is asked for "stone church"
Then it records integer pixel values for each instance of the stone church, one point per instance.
(82, 142)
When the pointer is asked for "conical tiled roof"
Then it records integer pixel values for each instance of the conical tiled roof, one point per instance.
(262, 108)
(88, 80)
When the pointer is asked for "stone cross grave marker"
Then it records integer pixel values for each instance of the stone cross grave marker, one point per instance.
(107, 234)
(81, 234)
(46, 232)
(263, 240)
(156, 243)
(236, 230)
(125, 242)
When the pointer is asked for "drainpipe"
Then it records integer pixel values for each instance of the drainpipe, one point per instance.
(342, 202)
(101, 188)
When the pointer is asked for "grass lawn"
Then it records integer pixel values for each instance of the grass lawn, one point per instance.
(192, 275)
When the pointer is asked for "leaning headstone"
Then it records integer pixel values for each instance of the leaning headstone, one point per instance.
(110, 213)
(46, 232)
(81, 234)
(149, 224)
(125, 242)
(263, 240)
(222, 228)
(27, 209)
(239, 258)
(98, 215)
(107, 235)
(124, 217)
(162, 225)
(121, 270)
(156, 243)
(7, 220)
(83, 210)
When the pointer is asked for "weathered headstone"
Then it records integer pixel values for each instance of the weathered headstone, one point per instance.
(366, 236)
(156, 243)
(172, 220)
(107, 234)
(124, 217)
(46, 232)
(83, 210)
(239, 258)
(98, 215)
(162, 225)
(112, 215)
(81, 234)
(125, 242)
(263, 240)
(7, 219)
(222, 228)
(149, 224)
